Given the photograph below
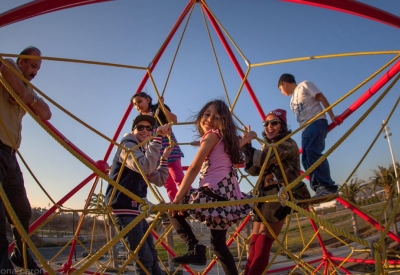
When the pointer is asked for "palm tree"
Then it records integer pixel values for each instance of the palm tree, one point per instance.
(350, 191)
(385, 179)
(395, 173)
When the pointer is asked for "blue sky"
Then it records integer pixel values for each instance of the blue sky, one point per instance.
(131, 32)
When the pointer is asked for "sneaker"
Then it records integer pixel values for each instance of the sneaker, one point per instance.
(322, 191)
(31, 264)
(196, 256)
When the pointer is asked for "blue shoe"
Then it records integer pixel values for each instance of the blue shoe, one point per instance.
(322, 191)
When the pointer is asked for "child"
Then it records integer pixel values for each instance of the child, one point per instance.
(142, 103)
(306, 103)
(126, 209)
(219, 150)
(275, 129)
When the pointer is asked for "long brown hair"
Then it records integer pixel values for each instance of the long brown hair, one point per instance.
(227, 128)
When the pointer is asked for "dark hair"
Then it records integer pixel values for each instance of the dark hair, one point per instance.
(286, 78)
(28, 51)
(162, 117)
(227, 127)
(283, 132)
(144, 95)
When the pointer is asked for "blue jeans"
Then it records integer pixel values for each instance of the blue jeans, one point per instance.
(313, 143)
(12, 182)
(147, 253)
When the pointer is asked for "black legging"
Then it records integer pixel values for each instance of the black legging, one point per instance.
(184, 230)
(218, 244)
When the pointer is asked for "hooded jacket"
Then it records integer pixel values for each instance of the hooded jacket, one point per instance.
(131, 178)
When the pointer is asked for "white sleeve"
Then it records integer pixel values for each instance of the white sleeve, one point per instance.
(312, 88)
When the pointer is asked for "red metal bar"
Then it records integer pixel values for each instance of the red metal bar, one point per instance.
(276, 270)
(146, 76)
(69, 143)
(326, 267)
(369, 93)
(354, 8)
(340, 267)
(101, 165)
(52, 209)
(368, 219)
(364, 261)
(39, 7)
(319, 267)
(234, 61)
(321, 242)
(79, 224)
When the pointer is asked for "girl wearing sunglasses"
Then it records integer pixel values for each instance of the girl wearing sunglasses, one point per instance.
(275, 128)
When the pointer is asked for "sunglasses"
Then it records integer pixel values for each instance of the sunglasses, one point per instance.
(273, 122)
(142, 127)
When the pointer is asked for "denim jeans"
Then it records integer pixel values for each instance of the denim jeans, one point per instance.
(313, 143)
(147, 253)
(13, 184)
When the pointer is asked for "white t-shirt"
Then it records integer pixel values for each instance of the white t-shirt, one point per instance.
(303, 102)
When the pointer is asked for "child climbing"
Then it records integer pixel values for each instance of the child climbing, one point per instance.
(219, 150)
(143, 104)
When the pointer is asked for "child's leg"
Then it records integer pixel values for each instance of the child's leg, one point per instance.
(175, 171)
(197, 252)
(174, 179)
(133, 238)
(171, 188)
(256, 226)
(263, 247)
(313, 142)
(156, 270)
(183, 229)
(218, 244)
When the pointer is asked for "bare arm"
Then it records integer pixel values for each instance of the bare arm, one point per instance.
(171, 116)
(205, 148)
(30, 98)
(168, 113)
(246, 138)
(321, 98)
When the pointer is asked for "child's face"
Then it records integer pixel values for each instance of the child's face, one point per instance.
(273, 127)
(211, 119)
(141, 104)
(143, 130)
(285, 89)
